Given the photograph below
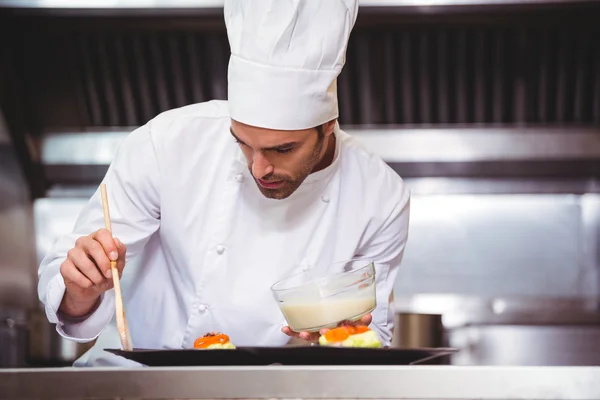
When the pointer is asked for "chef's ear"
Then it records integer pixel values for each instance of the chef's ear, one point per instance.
(328, 127)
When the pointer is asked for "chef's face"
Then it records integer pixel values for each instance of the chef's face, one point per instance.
(280, 160)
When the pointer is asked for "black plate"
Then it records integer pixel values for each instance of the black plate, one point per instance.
(315, 355)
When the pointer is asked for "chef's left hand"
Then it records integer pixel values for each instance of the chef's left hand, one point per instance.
(314, 336)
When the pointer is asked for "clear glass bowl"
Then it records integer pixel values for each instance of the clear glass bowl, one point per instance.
(311, 301)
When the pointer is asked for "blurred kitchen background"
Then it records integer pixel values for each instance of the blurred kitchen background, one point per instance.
(490, 110)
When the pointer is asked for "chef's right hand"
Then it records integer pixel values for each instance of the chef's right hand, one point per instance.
(87, 273)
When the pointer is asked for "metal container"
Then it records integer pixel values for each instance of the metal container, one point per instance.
(13, 338)
(27, 339)
(418, 330)
(415, 330)
(47, 347)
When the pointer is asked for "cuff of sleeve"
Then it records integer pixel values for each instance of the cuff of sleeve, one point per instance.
(383, 320)
(78, 331)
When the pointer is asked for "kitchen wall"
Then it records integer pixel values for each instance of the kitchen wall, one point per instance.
(502, 245)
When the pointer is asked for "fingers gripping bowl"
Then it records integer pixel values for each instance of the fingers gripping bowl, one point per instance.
(311, 301)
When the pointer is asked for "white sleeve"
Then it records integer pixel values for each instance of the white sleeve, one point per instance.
(386, 248)
(132, 183)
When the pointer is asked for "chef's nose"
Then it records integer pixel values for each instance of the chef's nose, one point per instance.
(260, 165)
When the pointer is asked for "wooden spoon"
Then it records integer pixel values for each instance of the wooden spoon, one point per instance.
(119, 309)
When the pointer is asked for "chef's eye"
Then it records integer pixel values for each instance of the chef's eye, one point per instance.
(284, 150)
(240, 142)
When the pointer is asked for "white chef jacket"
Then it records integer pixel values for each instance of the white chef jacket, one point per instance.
(209, 245)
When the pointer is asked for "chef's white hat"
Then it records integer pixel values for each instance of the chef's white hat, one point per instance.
(286, 56)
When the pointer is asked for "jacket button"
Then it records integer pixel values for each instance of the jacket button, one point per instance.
(202, 308)
(220, 249)
(239, 178)
(325, 199)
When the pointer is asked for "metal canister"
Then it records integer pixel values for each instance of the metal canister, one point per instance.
(47, 347)
(418, 331)
(13, 338)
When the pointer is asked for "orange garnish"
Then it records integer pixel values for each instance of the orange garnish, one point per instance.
(337, 334)
(210, 339)
(343, 332)
(361, 329)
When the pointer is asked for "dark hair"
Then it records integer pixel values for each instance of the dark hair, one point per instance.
(320, 131)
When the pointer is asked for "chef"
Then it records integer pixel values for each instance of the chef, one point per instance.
(217, 201)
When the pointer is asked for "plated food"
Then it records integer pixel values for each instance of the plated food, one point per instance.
(343, 336)
(350, 336)
(212, 341)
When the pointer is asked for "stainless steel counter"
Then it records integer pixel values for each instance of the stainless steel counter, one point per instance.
(424, 382)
